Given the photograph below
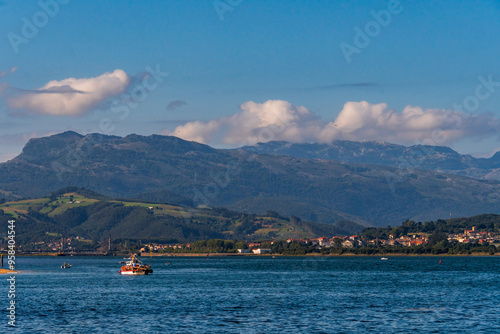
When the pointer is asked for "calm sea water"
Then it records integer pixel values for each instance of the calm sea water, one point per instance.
(258, 295)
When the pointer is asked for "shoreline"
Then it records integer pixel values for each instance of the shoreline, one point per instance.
(307, 255)
(146, 255)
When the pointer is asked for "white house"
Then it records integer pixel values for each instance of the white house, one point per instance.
(261, 251)
(324, 242)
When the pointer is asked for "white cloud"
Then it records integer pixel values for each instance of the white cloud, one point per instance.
(365, 121)
(280, 120)
(257, 122)
(71, 96)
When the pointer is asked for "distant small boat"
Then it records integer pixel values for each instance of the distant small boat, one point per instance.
(66, 266)
(384, 258)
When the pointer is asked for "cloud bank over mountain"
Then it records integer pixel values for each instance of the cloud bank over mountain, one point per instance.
(359, 121)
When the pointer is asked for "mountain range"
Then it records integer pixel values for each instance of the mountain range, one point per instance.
(370, 191)
(437, 158)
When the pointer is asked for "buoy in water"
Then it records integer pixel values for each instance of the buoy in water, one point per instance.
(439, 261)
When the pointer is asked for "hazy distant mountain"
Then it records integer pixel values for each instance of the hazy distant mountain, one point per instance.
(169, 169)
(437, 158)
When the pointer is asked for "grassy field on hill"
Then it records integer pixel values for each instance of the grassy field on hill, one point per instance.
(94, 217)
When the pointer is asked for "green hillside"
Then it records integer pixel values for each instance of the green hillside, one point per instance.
(76, 212)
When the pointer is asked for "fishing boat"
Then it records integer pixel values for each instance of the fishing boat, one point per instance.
(134, 266)
(384, 258)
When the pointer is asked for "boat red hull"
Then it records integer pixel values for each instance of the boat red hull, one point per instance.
(144, 270)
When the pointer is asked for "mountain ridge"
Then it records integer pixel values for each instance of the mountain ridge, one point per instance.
(436, 158)
(171, 169)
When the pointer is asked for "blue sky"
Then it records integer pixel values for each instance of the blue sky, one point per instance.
(238, 68)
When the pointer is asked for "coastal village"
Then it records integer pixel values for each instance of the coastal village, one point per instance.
(475, 236)
(262, 247)
(353, 241)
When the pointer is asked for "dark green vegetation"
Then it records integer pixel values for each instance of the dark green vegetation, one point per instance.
(228, 246)
(441, 247)
(170, 170)
(74, 212)
(490, 223)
